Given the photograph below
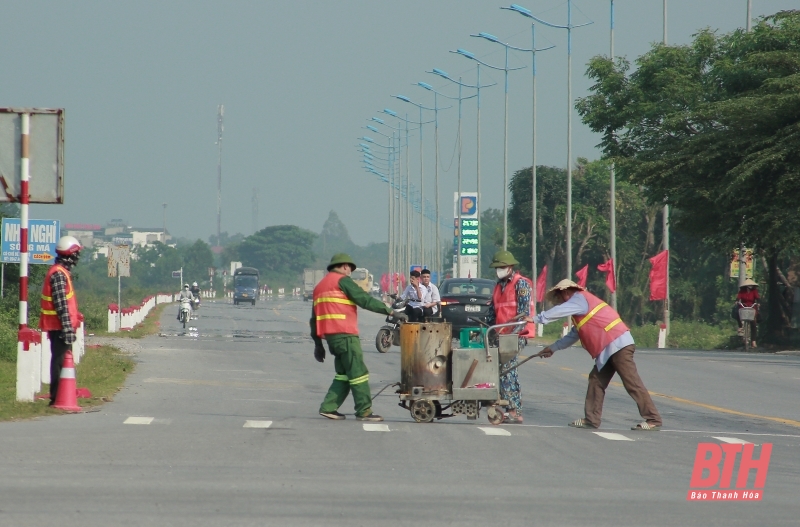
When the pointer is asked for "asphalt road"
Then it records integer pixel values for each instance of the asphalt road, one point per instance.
(219, 426)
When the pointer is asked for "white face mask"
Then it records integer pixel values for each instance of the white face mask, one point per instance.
(503, 272)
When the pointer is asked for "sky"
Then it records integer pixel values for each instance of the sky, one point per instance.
(140, 83)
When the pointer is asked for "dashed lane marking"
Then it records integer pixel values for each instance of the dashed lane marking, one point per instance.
(138, 420)
(257, 424)
(494, 431)
(612, 436)
(732, 440)
(372, 427)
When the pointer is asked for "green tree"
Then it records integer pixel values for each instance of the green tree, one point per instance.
(197, 258)
(713, 128)
(280, 252)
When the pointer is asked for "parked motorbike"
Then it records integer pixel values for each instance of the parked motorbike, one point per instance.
(185, 311)
(389, 334)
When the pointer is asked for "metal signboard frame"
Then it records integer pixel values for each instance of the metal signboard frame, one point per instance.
(46, 153)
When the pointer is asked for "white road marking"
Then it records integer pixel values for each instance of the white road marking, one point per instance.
(257, 424)
(138, 420)
(494, 431)
(732, 440)
(370, 427)
(612, 436)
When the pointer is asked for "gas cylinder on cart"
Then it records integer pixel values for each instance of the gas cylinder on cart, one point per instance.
(425, 359)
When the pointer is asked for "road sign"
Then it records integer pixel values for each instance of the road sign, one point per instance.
(176, 274)
(42, 239)
(46, 152)
(119, 259)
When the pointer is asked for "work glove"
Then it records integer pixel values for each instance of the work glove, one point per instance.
(400, 315)
(319, 351)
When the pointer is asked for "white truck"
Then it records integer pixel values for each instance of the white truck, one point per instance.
(311, 277)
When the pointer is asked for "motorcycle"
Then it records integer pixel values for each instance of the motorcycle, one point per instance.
(196, 303)
(389, 334)
(185, 311)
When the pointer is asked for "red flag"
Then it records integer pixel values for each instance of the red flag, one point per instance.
(385, 282)
(658, 276)
(611, 279)
(541, 285)
(582, 274)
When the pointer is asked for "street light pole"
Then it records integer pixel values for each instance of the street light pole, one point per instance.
(534, 198)
(613, 191)
(569, 27)
(665, 216)
(505, 69)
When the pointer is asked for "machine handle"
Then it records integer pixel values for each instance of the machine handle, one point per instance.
(519, 323)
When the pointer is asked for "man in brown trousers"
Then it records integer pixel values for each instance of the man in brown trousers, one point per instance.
(607, 339)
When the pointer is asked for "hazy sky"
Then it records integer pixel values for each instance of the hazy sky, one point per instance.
(141, 81)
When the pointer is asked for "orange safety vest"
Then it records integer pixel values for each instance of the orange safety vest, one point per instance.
(599, 327)
(49, 320)
(333, 311)
(505, 305)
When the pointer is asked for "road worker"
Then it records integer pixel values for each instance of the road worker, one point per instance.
(335, 319)
(607, 339)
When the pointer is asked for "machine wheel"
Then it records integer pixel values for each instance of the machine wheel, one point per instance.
(383, 340)
(423, 411)
(495, 415)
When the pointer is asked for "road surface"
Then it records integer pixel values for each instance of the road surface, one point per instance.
(219, 426)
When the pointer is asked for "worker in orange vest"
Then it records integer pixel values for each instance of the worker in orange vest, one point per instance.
(335, 319)
(609, 342)
(60, 316)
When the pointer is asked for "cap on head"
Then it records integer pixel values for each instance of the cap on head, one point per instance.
(339, 259)
(749, 282)
(553, 296)
(503, 259)
(68, 246)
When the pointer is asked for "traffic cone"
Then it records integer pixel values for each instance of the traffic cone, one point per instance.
(67, 396)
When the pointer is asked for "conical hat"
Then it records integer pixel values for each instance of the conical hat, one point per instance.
(552, 295)
(749, 282)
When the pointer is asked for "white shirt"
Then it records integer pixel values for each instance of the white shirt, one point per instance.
(410, 294)
(430, 293)
(578, 305)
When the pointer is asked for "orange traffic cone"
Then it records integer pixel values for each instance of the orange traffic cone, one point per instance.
(67, 396)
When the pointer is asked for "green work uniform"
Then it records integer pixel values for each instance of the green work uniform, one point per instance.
(351, 372)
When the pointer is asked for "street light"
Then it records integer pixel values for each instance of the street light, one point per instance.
(534, 199)
(569, 27)
(505, 70)
(461, 85)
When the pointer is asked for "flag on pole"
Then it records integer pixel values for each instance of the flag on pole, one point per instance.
(582, 274)
(541, 285)
(611, 279)
(658, 276)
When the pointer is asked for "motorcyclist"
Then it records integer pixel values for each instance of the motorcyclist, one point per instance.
(185, 293)
(195, 290)
(748, 297)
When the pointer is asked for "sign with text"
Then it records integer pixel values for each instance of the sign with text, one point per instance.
(43, 236)
(119, 260)
(748, 263)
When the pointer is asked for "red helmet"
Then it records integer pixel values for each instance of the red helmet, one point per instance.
(68, 246)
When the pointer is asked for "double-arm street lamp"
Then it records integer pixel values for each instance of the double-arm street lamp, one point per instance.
(534, 199)
(505, 70)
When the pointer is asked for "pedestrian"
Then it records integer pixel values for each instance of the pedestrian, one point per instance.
(431, 297)
(334, 317)
(60, 316)
(609, 342)
(511, 298)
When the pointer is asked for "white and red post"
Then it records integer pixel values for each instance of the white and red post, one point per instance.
(24, 200)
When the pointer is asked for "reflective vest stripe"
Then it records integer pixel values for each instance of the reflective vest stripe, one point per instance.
(335, 300)
(47, 298)
(612, 324)
(338, 377)
(48, 312)
(360, 380)
(333, 316)
(592, 313)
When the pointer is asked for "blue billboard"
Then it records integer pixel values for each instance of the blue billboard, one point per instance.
(43, 236)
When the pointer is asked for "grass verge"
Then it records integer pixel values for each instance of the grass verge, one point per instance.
(149, 326)
(102, 370)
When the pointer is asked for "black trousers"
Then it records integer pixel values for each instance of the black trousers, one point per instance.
(418, 314)
(58, 348)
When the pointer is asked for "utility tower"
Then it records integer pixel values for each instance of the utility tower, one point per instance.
(255, 210)
(220, 128)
